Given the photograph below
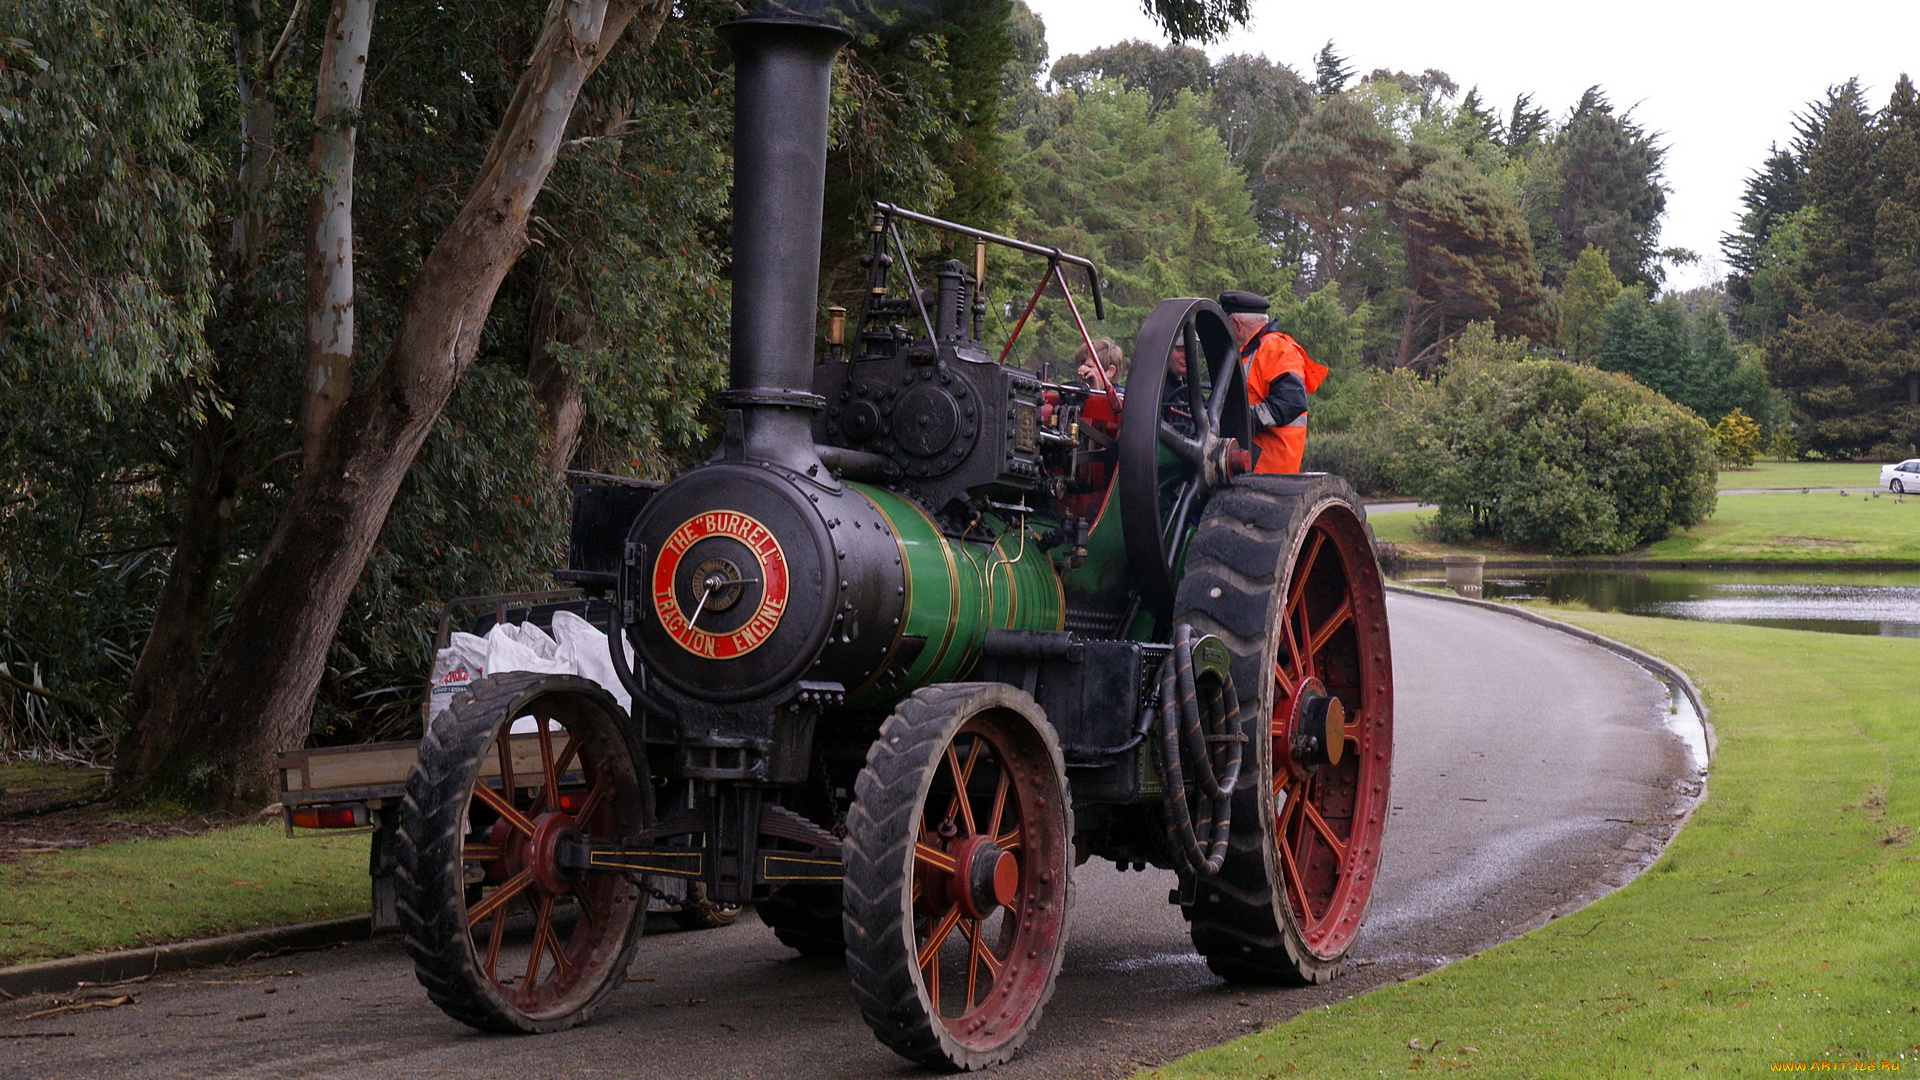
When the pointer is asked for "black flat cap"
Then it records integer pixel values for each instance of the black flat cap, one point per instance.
(1236, 301)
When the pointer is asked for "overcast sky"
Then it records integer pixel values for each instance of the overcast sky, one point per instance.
(1719, 81)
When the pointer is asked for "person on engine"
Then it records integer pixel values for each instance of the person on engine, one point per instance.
(1280, 375)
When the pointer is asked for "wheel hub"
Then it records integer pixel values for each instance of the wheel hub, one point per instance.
(538, 853)
(1317, 729)
(986, 878)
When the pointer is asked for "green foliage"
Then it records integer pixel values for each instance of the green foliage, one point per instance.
(1611, 194)
(1151, 199)
(1588, 292)
(1828, 282)
(105, 271)
(1738, 439)
(1138, 65)
(1783, 445)
(1330, 71)
(1549, 455)
(1691, 359)
(1468, 258)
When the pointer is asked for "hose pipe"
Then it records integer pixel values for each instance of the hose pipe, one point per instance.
(1200, 737)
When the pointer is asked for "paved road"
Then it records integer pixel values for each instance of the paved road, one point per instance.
(1523, 761)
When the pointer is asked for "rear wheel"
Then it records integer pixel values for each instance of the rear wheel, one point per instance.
(806, 918)
(1281, 568)
(503, 937)
(958, 875)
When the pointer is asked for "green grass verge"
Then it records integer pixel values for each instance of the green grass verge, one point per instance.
(144, 892)
(1801, 474)
(48, 782)
(1791, 527)
(1779, 925)
(1795, 527)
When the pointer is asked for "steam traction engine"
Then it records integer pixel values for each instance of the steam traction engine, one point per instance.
(926, 632)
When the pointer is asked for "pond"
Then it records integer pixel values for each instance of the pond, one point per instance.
(1835, 601)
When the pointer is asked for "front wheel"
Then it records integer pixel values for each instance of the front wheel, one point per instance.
(502, 936)
(1281, 568)
(958, 875)
(1897, 488)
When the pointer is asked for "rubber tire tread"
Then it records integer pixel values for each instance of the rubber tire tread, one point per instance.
(1241, 548)
(877, 929)
(433, 825)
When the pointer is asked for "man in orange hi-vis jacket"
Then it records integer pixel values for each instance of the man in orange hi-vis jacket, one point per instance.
(1280, 375)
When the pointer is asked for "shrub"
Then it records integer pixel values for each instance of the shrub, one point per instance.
(1548, 455)
(1738, 439)
(1363, 459)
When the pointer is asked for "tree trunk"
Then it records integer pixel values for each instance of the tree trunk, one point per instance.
(166, 679)
(166, 676)
(552, 382)
(259, 689)
(336, 98)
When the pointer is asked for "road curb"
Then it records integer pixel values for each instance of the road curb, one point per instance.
(111, 967)
(1660, 668)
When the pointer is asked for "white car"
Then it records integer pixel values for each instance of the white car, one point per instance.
(1901, 478)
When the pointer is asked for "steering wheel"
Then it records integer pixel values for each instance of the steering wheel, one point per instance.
(1177, 442)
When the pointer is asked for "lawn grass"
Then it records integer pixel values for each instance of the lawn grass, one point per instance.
(1778, 926)
(1790, 527)
(1795, 527)
(144, 892)
(1801, 474)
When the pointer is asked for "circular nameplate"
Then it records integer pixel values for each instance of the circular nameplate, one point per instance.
(706, 569)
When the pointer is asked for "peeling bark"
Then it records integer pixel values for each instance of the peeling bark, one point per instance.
(259, 689)
(336, 101)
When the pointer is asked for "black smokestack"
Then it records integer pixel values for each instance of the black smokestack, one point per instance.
(783, 72)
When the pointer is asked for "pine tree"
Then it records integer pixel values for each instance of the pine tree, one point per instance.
(1611, 194)
(1840, 183)
(1897, 248)
(1330, 72)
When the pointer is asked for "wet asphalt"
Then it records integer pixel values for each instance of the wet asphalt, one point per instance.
(1532, 774)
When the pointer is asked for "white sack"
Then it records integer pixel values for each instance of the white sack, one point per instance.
(576, 647)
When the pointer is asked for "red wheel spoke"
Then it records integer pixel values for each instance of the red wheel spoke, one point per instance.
(1302, 645)
(496, 899)
(563, 967)
(1292, 644)
(1286, 682)
(550, 789)
(971, 930)
(1011, 840)
(493, 946)
(1334, 622)
(1325, 830)
(979, 954)
(504, 808)
(933, 985)
(1291, 870)
(543, 928)
(960, 778)
(589, 907)
(595, 796)
(480, 853)
(1303, 569)
(999, 803)
(567, 755)
(504, 745)
(933, 858)
(938, 936)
